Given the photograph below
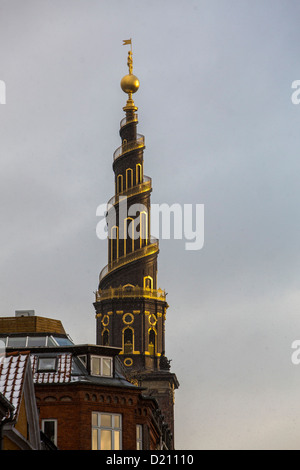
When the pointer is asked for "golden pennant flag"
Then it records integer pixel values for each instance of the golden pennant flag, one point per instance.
(126, 41)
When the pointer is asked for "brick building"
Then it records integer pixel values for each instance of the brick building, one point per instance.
(83, 397)
(119, 393)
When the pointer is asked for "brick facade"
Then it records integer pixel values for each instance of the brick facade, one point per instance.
(72, 407)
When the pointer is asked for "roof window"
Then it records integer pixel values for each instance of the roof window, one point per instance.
(47, 364)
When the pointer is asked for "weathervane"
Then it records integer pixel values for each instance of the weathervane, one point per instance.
(130, 83)
(129, 60)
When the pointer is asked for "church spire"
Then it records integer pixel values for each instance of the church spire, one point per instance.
(130, 308)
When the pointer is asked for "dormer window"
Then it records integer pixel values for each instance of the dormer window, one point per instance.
(47, 364)
(101, 366)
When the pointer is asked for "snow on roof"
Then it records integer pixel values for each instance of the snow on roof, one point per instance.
(62, 374)
(12, 373)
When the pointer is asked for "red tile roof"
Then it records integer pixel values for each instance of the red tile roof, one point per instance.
(12, 373)
(63, 374)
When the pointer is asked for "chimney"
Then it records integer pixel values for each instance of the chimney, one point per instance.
(24, 313)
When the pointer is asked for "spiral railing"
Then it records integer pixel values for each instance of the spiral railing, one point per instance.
(139, 142)
(138, 189)
(151, 248)
(130, 292)
(128, 120)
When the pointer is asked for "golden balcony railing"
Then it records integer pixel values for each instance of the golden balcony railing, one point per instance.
(140, 188)
(147, 250)
(130, 292)
(128, 120)
(139, 142)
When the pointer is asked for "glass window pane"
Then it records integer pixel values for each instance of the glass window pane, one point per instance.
(83, 359)
(117, 422)
(106, 421)
(107, 363)
(36, 341)
(50, 341)
(49, 430)
(76, 367)
(106, 440)
(63, 341)
(117, 438)
(17, 342)
(95, 439)
(139, 437)
(96, 366)
(47, 363)
(94, 419)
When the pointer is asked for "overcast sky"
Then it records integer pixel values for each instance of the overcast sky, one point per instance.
(221, 130)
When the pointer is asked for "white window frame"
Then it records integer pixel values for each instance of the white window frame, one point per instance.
(101, 358)
(55, 428)
(139, 437)
(100, 428)
(48, 338)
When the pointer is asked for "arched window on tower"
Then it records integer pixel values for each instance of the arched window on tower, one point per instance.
(105, 338)
(129, 178)
(148, 282)
(143, 229)
(114, 243)
(128, 235)
(139, 174)
(128, 340)
(152, 342)
(120, 184)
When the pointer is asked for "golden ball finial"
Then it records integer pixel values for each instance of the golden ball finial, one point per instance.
(130, 84)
